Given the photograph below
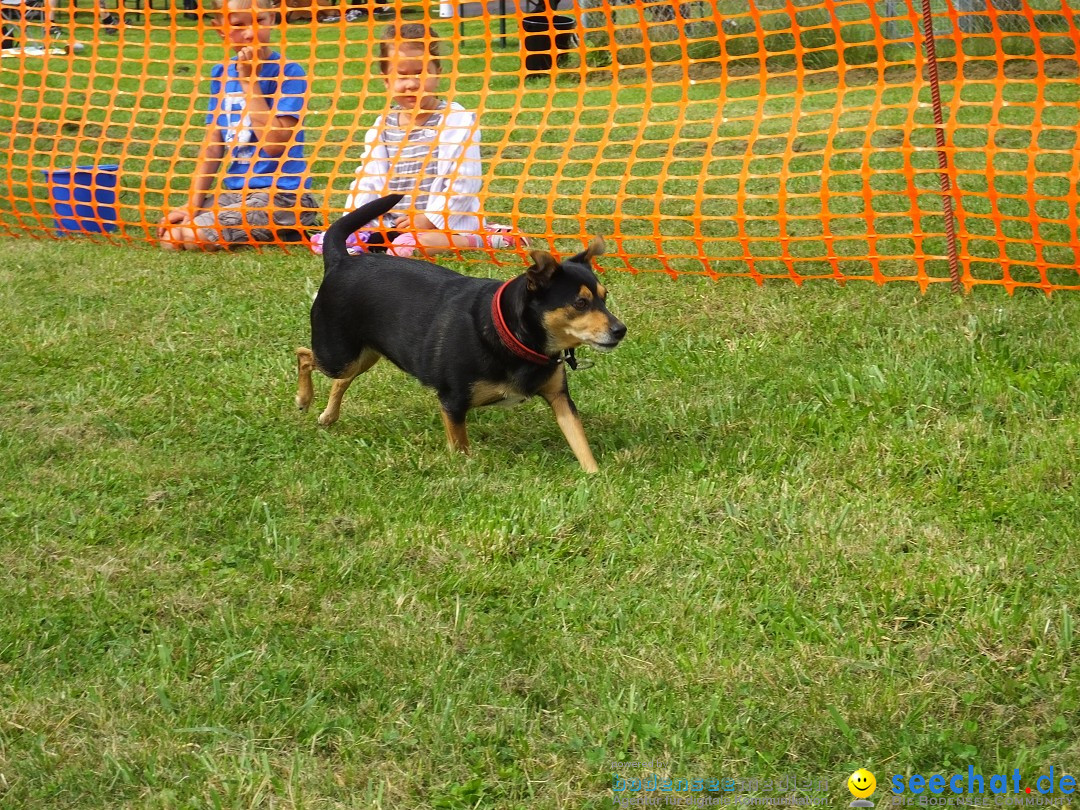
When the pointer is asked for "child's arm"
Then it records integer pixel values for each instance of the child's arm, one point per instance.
(273, 120)
(459, 182)
(211, 153)
(210, 156)
(371, 173)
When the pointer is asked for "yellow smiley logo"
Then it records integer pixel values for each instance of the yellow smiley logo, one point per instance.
(862, 784)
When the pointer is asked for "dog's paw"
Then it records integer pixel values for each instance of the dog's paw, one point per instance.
(326, 419)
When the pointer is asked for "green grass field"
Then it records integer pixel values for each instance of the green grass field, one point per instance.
(833, 528)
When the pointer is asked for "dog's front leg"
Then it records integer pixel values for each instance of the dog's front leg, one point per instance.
(558, 397)
(453, 418)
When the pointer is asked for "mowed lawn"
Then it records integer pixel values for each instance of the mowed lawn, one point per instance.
(834, 527)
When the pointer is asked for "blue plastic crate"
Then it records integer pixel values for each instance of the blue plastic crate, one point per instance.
(83, 198)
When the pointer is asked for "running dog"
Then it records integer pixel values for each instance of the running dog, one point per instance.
(474, 341)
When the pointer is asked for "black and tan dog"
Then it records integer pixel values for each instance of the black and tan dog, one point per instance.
(475, 341)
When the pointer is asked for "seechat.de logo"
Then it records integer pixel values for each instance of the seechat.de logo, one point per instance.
(972, 783)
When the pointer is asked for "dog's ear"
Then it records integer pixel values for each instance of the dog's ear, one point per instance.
(544, 267)
(595, 248)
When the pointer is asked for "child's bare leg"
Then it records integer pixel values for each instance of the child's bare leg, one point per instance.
(459, 241)
(166, 242)
(177, 237)
(438, 242)
(428, 243)
(186, 237)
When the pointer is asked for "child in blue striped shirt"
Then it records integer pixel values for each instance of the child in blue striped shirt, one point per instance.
(253, 126)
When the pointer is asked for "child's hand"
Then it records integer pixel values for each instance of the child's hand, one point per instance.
(177, 216)
(421, 223)
(245, 62)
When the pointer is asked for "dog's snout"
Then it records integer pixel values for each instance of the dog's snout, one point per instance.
(618, 330)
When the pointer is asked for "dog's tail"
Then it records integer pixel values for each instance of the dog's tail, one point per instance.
(334, 249)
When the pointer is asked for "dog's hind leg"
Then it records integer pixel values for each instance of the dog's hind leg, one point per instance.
(558, 397)
(366, 360)
(305, 364)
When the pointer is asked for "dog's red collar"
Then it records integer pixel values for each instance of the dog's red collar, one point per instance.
(507, 337)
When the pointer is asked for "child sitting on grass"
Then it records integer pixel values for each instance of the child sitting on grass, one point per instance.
(426, 148)
(256, 102)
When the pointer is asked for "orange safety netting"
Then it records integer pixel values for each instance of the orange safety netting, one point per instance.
(756, 138)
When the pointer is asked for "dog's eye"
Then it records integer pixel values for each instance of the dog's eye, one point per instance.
(581, 304)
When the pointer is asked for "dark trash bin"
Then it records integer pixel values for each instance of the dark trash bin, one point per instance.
(539, 48)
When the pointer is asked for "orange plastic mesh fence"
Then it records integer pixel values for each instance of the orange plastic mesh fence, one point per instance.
(757, 138)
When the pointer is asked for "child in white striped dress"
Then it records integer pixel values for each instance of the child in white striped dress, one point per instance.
(426, 148)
